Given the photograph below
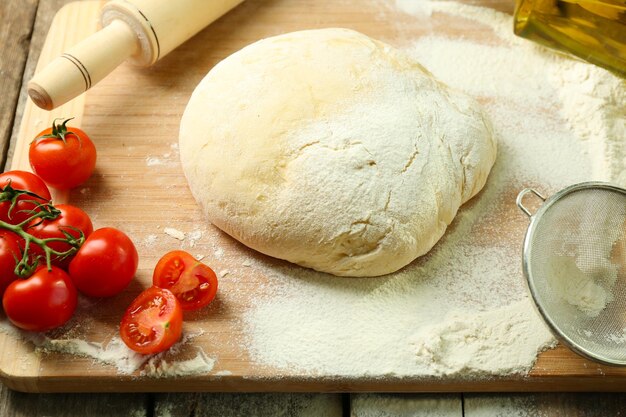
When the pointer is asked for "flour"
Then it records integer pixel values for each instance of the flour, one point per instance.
(558, 122)
(583, 270)
(175, 233)
(158, 367)
(508, 336)
(116, 353)
(583, 291)
(467, 295)
(590, 99)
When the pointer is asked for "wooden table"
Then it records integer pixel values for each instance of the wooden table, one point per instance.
(24, 24)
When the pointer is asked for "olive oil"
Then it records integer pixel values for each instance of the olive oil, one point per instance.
(594, 30)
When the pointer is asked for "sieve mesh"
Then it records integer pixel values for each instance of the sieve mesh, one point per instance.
(575, 263)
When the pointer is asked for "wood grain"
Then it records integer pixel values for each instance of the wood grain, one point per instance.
(133, 116)
(46, 10)
(12, 403)
(545, 405)
(17, 404)
(405, 405)
(17, 17)
(236, 405)
(35, 119)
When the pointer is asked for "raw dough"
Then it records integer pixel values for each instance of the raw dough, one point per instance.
(333, 151)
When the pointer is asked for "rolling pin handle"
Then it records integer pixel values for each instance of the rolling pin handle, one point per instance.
(75, 71)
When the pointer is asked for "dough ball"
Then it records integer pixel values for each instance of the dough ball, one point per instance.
(333, 151)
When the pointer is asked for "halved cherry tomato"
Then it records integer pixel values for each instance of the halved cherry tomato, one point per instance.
(62, 156)
(10, 253)
(153, 322)
(192, 282)
(24, 204)
(105, 264)
(44, 301)
(72, 221)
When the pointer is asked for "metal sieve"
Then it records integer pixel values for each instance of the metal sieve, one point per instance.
(574, 261)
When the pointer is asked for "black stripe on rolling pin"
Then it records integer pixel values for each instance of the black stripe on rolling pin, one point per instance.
(81, 68)
(154, 33)
(156, 38)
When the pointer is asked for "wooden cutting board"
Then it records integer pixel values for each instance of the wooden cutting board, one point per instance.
(138, 186)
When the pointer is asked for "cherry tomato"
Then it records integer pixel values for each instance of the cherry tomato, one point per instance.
(22, 180)
(105, 264)
(72, 220)
(45, 300)
(153, 322)
(192, 282)
(62, 156)
(10, 253)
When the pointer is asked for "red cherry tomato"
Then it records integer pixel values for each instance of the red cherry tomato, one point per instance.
(192, 282)
(153, 322)
(72, 220)
(10, 253)
(62, 156)
(22, 180)
(105, 264)
(42, 302)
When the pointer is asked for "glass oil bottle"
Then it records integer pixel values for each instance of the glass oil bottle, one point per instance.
(594, 30)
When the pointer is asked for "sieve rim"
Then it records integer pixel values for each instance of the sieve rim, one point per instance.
(526, 256)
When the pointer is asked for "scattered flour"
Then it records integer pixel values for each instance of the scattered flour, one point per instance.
(152, 161)
(559, 121)
(223, 373)
(508, 336)
(168, 158)
(590, 99)
(218, 253)
(158, 367)
(116, 353)
(618, 339)
(149, 240)
(463, 308)
(193, 237)
(175, 233)
(584, 291)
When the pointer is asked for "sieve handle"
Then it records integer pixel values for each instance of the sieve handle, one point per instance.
(520, 197)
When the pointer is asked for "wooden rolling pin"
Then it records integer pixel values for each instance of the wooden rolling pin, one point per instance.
(142, 30)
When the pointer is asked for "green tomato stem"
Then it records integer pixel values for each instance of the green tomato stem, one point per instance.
(24, 268)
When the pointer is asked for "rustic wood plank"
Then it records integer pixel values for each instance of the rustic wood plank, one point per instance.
(17, 17)
(405, 405)
(16, 404)
(545, 405)
(146, 128)
(258, 405)
(45, 14)
(16, 44)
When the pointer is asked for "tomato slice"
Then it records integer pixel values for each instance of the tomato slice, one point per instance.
(153, 322)
(191, 281)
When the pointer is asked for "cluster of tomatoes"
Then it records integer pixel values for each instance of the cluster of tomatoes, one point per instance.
(49, 253)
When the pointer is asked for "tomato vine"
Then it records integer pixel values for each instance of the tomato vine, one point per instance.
(43, 211)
